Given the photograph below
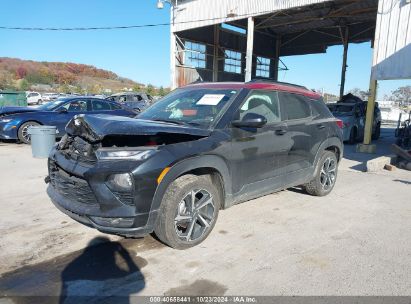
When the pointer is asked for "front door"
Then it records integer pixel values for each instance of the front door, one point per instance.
(258, 155)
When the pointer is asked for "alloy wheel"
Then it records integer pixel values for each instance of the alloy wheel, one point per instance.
(194, 216)
(25, 132)
(328, 173)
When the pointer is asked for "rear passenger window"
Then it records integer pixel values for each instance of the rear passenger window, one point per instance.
(295, 106)
(99, 105)
(264, 103)
(115, 106)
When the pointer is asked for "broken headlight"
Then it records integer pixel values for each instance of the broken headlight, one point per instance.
(116, 154)
(120, 182)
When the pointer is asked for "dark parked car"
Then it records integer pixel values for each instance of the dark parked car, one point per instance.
(202, 148)
(15, 121)
(136, 101)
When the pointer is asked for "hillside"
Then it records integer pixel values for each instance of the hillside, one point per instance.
(66, 77)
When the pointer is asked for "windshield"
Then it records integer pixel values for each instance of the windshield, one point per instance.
(340, 109)
(193, 106)
(51, 105)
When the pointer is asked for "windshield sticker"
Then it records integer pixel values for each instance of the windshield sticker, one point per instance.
(210, 99)
(189, 112)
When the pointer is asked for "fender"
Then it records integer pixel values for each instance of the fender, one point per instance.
(186, 165)
(329, 142)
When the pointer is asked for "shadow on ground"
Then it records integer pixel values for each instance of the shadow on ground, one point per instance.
(104, 270)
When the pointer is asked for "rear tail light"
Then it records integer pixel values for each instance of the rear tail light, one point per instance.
(339, 123)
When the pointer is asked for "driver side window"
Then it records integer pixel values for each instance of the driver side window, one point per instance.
(76, 106)
(264, 103)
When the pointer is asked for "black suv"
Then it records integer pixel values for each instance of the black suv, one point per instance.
(202, 148)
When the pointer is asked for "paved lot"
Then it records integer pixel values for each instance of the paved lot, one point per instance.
(356, 241)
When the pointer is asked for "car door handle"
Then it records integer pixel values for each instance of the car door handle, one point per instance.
(280, 131)
(320, 126)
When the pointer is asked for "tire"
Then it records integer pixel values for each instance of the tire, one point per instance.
(182, 234)
(377, 132)
(326, 175)
(38, 102)
(353, 136)
(22, 132)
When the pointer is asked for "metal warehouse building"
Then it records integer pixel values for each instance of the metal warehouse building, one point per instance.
(237, 40)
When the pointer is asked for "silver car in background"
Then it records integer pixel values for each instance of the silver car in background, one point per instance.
(353, 118)
(138, 101)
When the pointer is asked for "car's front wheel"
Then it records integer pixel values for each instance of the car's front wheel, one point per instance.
(23, 133)
(326, 175)
(189, 211)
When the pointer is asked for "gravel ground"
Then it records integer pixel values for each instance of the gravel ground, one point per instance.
(356, 241)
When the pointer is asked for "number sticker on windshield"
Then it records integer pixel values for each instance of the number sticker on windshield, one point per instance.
(210, 99)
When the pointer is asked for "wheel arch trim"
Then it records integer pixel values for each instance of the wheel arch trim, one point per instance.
(326, 145)
(213, 162)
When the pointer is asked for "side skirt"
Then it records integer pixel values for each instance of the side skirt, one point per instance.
(269, 186)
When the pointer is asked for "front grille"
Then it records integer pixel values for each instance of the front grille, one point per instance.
(71, 187)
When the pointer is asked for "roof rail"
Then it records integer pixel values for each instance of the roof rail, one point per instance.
(268, 80)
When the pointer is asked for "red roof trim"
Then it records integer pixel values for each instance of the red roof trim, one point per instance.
(257, 86)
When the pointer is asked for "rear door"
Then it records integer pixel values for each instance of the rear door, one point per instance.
(258, 155)
(100, 106)
(297, 115)
(120, 111)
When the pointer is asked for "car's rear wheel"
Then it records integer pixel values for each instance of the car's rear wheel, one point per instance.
(189, 211)
(23, 132)
(326, 175)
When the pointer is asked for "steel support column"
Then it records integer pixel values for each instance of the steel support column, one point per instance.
(276, 59)
(370, 112)
(344, 64)
(215, 51)
(250, 44)
(173, 47)
(366, 146)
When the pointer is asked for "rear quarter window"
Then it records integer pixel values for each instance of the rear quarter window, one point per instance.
(319, 106)
(294, 106)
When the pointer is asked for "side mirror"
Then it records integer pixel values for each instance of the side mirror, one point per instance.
(250, 120)
(62, 110)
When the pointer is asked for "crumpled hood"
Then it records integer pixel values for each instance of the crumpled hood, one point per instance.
(95, 127)
(15, 110)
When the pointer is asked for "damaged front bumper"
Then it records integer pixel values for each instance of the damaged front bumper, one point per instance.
(79, 190)
(113, 225)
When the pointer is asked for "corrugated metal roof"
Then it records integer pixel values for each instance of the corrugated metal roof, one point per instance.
(392, 45)
(191, 14)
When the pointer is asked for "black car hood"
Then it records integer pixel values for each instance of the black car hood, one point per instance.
(95, 127)
(15, 110)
